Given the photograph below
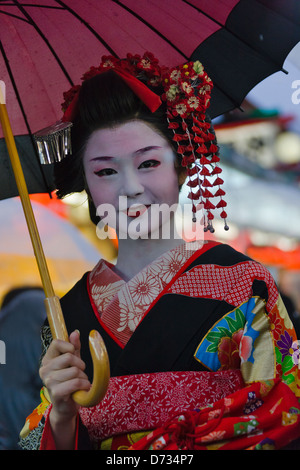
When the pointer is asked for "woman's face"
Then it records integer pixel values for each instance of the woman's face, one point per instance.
(130, 168)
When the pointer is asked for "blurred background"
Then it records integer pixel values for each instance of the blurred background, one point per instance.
(259, 150)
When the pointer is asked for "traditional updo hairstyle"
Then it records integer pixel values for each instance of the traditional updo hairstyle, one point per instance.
(105, 101)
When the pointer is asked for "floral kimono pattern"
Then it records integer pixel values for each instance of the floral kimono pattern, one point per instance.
(198, 339)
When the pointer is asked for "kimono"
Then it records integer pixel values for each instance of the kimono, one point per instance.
(203, 355)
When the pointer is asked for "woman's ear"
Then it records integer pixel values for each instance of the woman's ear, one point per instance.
(182, 174)
(92, 210)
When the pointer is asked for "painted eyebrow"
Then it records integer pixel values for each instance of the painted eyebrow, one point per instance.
(137, 152)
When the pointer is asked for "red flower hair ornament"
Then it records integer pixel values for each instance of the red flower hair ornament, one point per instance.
(186, 92)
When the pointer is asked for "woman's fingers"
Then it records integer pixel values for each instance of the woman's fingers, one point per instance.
(62, 370)
(75, 341)
(61, 390)
(58, 347)
(63, 361)
(62, 374)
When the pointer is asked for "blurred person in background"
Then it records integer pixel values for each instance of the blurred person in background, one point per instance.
(21, 317)
(292, 311)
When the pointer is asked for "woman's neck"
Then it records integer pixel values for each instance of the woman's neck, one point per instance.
(134, 255)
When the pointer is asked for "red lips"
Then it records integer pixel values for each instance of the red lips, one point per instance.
(136, 210)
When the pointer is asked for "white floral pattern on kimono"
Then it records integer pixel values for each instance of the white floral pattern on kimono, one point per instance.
(122, 305)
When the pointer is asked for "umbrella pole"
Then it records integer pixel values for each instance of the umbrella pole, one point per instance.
(56, 322)
(52, 303)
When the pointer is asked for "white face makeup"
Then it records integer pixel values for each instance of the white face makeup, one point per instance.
(131, 168)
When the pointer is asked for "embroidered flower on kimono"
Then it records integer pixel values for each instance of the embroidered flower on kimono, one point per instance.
(170, 265)
(213, 436)
(252, 403)
(102, 294)
(289, 418)
(228, 351)
(33, 420)
(286, 346)
(276, 328)
(296, 353)
(246, 427)
(246, 346)
(129, 318)
(214, 414)
(266, 444)
(227, 403)
(158, 444)
(144, 289)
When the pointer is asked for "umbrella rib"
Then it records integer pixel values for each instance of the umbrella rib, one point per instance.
(35, 26)
(265, 56)
(233, 101)
(150, 27)
(34, 5)
(204, 13)
(88, 26)
(11, 76)
(13, 16)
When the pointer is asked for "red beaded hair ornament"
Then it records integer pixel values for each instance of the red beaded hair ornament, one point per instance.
(187, 94)
(187, 91)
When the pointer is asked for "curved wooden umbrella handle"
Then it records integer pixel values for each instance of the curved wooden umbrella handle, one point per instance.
(53, 307)
(98, 353)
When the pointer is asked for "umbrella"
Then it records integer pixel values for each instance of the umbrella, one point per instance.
(274, 256)
(68, 252)
(46, 45)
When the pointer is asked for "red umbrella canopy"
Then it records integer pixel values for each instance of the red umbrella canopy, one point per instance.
(45, 59)
(46, 45)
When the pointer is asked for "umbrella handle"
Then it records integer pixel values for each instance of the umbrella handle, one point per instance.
(98, 353)
(53, 307)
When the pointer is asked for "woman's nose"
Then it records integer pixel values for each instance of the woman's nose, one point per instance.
(131, 184)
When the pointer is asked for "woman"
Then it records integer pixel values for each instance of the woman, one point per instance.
(195, 330)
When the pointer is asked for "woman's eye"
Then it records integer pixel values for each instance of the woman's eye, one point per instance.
(149, 164)
(105, 172)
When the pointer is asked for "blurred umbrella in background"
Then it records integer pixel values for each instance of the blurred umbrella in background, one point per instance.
(68, 252)
(274, 256)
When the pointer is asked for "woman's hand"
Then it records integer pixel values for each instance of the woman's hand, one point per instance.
(62, 372)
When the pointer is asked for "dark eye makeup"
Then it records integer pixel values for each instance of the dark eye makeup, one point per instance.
(149, 164)
(144, 165)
